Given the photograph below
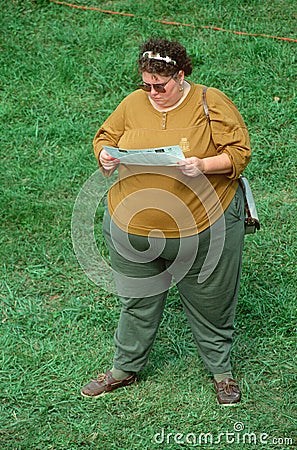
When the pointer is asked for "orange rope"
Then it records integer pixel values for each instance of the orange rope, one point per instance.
(164, 22)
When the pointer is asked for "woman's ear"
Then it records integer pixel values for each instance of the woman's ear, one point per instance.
(181, 76)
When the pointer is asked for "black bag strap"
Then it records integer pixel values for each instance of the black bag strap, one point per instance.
(204, 102)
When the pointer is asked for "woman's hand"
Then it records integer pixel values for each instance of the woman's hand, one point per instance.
(109, 164)
(192, 167)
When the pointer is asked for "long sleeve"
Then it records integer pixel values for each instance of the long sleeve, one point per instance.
(229, 132)
(111, 131)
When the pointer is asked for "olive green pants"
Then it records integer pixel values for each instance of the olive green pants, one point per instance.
(209, 301)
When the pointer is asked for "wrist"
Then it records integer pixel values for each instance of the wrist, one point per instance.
(203, 165)
(220, 164)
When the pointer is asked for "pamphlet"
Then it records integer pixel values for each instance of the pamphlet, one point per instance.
(159, 156)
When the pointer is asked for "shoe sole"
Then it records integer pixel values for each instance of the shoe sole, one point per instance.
(228, 404)
(95, 396)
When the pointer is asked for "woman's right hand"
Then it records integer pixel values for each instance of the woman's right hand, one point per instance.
(109, 164)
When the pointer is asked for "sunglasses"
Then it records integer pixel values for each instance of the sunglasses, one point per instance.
(159, 87)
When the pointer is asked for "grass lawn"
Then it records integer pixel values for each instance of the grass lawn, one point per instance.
(63, 71)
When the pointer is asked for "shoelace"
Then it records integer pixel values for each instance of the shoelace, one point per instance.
(229, 387)
(100, 377)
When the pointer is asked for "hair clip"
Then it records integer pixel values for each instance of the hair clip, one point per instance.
(157, 56)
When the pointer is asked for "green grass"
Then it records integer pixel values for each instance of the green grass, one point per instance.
(63, 71)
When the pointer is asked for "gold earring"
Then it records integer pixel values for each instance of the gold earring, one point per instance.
(181, 87)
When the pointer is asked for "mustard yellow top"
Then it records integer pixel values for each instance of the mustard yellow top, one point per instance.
(149, 200)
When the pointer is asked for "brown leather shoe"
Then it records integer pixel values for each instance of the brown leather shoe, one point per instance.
(105, 383)
(228, 392)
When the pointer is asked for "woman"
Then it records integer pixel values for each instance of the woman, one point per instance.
(184, 221)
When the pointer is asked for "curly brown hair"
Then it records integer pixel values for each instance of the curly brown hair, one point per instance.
(171, 49)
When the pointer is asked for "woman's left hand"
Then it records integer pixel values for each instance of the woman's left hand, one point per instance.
(192, 167)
